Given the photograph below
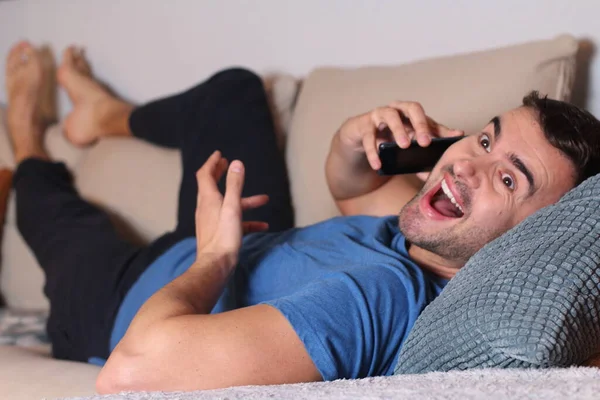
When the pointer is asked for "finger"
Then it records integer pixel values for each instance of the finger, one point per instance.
(212, 160)
(415, 114)
(254, 226)
(456, 132)
(210, 166)
(423, 176)
(207, 185)
(391, 118)
(220, 169)
(259, 200)
(233, 187)
(369, 144)
(418, 119)
(209, 197)
(442, 130)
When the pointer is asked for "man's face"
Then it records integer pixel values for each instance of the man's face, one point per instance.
(496, 177)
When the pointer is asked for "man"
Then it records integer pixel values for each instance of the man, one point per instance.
(202, 307)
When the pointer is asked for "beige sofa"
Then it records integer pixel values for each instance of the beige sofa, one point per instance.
(463, 91)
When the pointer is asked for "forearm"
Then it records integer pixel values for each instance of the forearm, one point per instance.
(194, 292)
(348, 172)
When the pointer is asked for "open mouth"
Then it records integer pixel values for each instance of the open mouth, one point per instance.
(441, 202)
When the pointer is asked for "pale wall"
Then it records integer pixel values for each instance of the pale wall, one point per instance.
(146, 48)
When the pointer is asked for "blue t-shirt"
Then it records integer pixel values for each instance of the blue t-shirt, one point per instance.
(347, 286)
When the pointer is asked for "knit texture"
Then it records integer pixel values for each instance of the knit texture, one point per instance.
(528, 299)
(489, 384)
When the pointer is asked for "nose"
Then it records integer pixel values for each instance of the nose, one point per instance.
(466, 171)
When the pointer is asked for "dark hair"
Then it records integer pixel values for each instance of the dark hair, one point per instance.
(572, 130)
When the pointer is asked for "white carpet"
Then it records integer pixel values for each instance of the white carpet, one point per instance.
(580, 383)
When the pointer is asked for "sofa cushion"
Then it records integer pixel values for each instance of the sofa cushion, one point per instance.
(462, 91)
(32, 374)
(531, 298)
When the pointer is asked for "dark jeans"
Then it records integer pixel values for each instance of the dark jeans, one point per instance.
(88, 267)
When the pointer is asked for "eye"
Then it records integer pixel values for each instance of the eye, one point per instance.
(508, 181)
(484, 141)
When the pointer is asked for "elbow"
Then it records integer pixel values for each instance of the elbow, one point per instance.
(136, 365)
(103, 385)
(108, 382)
(118, 375)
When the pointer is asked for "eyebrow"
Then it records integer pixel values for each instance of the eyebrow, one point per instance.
(497, 128)
(514, 159)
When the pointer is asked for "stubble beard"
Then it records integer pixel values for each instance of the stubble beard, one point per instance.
(453, 244)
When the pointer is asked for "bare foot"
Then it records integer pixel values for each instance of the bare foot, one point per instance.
(96, 112)
(24, 81)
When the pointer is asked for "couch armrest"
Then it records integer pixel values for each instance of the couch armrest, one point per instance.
(5, 186)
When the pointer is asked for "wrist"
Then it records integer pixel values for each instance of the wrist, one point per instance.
(351, 155)
(347, 146)
(220, 261)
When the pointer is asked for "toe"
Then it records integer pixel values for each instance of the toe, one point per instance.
(28, 54)
(18, 47)
(82, 64)
(78, 61)
(14, 58)
(66, 65)
(30, 63)
(69, 56)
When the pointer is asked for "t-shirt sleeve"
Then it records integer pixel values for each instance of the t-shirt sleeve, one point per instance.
(352, 324)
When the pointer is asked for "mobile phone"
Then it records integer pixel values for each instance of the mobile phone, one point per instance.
(395, 160)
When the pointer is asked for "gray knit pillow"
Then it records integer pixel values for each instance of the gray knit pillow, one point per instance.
(529, 299)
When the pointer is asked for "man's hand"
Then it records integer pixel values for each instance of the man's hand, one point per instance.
(405, 120)
(219, 226)
(353, 157)
(175, 343)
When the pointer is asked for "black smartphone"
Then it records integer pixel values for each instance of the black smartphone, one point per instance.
(395, 160)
